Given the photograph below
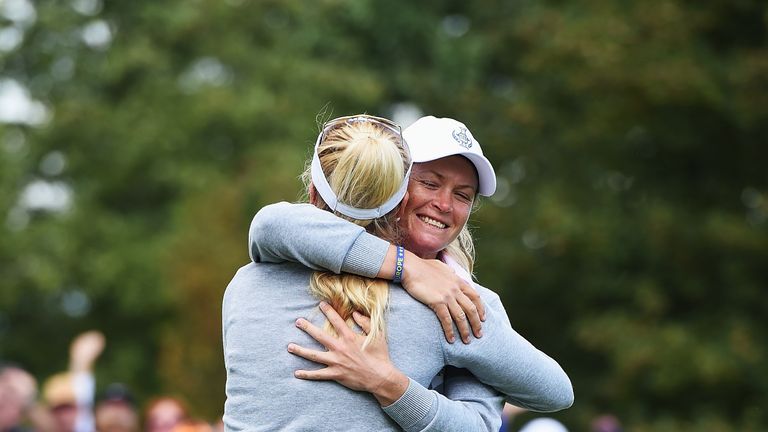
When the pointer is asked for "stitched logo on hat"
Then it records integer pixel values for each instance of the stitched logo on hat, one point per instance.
(461, 136)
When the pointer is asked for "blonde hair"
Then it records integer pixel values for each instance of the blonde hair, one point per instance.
(365, 164)
(462, 249)
(59, 389)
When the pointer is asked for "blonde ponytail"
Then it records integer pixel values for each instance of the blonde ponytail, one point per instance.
(364, 163)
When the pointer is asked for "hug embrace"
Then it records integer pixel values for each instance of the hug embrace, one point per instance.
(359, 310)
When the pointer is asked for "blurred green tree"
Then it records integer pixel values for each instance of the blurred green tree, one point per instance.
(628, 236)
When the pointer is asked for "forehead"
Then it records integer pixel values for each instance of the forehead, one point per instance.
(456, 169)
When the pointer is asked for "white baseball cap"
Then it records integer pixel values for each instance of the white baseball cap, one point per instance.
(431, 138)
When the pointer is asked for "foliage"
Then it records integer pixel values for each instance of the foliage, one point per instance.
(627, 238)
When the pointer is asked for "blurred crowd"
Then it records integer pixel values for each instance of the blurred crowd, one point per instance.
(601, 423)
(68, 402)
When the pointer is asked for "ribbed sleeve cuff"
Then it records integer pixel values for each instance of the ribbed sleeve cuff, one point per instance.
(366, 256)
(412, 410)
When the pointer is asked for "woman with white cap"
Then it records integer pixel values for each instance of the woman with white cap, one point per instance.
(449, 170)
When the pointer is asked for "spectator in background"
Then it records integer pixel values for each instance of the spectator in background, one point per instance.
(59, 396)
(193, 426)
(163, 414)
(15, 396)
(69, 395)
(544, 424)
(606, 423)
(18, 402)
(116, 410)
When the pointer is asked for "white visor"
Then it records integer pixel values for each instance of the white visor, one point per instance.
(324, 189)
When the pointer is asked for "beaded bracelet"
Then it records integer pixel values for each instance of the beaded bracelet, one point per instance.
(399, 265)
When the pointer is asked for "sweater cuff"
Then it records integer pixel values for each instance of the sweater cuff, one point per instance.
(412, 411)
(366, 256)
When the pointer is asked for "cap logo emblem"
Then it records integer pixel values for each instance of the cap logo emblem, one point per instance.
(461, 135)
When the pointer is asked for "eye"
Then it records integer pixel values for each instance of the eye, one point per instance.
(464, 196)
(428, 184)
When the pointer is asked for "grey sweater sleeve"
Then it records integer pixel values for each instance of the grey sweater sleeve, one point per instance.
(315, 238)
(423, 410)
(506, 361)
(483, 402)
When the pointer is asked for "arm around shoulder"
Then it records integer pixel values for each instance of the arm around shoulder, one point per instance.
(315, 238)
(506, 361)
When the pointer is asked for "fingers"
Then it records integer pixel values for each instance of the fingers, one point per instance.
(309, 354)
(334, 318)
(315, 375)
(317, 333)
(471, 314)
(475, 298)
(444, 315)
(363, 321)
(460, 318)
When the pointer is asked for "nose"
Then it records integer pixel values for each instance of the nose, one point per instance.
(442, 200)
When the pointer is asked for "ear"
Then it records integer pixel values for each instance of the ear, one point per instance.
(312, 194)
(401, 210)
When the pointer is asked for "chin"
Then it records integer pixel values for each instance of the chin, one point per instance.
(426, 247)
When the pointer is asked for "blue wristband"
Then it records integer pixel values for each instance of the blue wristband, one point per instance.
(399, 265)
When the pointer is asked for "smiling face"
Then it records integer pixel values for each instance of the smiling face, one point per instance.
(441, 193)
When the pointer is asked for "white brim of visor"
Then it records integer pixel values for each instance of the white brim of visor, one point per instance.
(325, 191)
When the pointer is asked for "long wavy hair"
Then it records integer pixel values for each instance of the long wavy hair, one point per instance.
(365, 164)
(462, 249)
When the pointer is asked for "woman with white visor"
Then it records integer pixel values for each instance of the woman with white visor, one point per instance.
(500, 358)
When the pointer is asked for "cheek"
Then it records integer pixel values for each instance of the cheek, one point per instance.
(419, 196)
(461, 214)
(410, 210)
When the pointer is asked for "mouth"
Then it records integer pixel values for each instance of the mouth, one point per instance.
(432, 222)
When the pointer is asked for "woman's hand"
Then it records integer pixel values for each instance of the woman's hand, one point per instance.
(369, 370)
(435, 284)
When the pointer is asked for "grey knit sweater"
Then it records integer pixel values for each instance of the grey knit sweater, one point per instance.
(264, 299)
